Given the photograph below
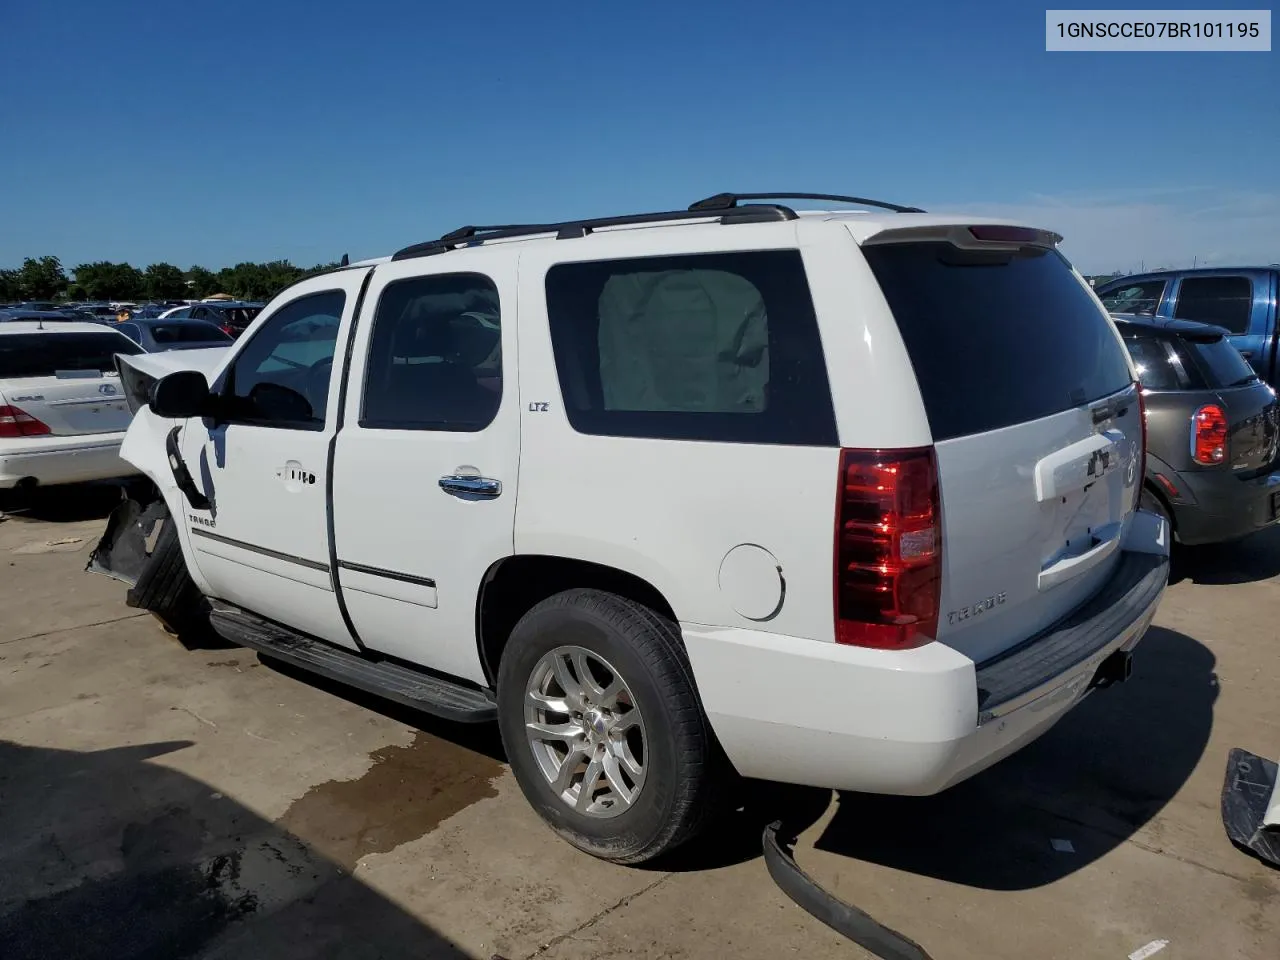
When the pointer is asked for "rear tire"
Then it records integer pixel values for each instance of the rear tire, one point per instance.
(635, 720)
(165, 589)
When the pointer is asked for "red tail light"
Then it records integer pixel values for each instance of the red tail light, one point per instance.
(888, 550)
(18, 423)
(1209, 435)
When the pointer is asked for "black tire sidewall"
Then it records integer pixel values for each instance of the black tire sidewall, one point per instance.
(570, 623)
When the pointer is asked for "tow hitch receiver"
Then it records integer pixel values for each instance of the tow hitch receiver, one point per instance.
(1251, 805)
(1115, 669)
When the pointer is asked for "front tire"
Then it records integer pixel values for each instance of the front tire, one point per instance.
(603, 726)
(167, 592)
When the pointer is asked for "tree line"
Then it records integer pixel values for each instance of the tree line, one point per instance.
(44, 278)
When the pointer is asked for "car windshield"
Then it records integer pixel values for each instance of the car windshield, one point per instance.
(238, 316)
(190, 332)
(46, 354)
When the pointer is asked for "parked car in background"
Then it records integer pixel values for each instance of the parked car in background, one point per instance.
(62, 410)
(899, 544)
(1213, 430)
(1243, 301)
(231, 316)
(16, 313)
(157, 336)
(42, 306)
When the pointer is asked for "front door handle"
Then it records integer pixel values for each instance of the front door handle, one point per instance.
(471, 487)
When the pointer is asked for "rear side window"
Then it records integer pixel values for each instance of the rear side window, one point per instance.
(997, 338)
(47, 354)
(1219, 363)
(1159, 368)
(717, 347)
(435, 357)
(1223, 301)
(1137, 298)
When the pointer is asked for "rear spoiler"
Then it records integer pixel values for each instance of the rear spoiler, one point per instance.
(139, 372)
(972, 235)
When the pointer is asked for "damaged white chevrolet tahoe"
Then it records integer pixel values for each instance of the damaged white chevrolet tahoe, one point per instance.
(841, 499)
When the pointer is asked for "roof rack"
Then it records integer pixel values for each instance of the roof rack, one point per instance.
(723, 201)
(569, 229)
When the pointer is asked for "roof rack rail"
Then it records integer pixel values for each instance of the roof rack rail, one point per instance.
(569, 229)
(722, 201)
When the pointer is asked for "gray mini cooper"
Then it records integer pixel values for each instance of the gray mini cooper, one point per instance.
(1213, 429)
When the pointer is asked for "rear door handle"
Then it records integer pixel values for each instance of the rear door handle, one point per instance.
(469, 487)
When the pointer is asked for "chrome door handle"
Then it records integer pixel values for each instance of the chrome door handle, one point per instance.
(481, 487)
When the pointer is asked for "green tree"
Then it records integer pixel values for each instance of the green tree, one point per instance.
(201, 282)
(110, 281)
(164, 281)
(10, 287)
(41, 278)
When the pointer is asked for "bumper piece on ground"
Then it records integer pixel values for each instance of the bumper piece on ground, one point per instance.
(860, 927)
(1251, 805)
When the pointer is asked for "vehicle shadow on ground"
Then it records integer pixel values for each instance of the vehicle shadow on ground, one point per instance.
(1243, 561)
(70, 504)
(106, 855)
(1104, 771)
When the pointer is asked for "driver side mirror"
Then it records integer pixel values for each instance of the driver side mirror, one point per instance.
(181, 395)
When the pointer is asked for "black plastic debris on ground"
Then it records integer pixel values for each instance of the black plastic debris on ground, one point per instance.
(1246, 791)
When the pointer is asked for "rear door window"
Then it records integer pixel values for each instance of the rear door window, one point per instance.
(717, 347)
(47, 354)
(1159, 367)
(1137, 298)
(997, 338)
(1223, 301)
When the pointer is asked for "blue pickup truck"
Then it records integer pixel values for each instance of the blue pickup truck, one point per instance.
(1241, 299)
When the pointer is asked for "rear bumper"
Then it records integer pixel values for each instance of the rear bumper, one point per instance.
(1220, 507)
(910, 722)
(55, 460)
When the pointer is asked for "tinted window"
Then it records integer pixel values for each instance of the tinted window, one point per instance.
(1158, 367)
(190, 332)
(45, 354)
(131, 331)
(1139, 298)
(719, 347)
(996, 338)
(180, 314)
(1223, 301)
(1219, 363)
(435, 357)
(282, 376)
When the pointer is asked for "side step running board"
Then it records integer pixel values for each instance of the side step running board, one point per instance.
(422, 691)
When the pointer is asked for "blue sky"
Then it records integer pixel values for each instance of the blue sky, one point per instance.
(210, 133)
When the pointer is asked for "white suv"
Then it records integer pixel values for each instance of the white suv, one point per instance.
(841, 499)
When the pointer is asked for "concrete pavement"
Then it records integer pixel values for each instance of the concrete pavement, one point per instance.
(158, 802)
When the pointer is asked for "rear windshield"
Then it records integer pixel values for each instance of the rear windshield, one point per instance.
(238, 316)
(188, 333)
(1219, 363)
(46, 354)
(997, 338)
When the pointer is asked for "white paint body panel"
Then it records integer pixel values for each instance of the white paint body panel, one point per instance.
(277, 563)
(390, 513)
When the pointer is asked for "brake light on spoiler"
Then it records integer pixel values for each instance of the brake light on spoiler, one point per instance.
(995, 233)
(888, 549)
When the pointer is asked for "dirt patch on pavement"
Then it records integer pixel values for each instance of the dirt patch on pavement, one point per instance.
(405, 794)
